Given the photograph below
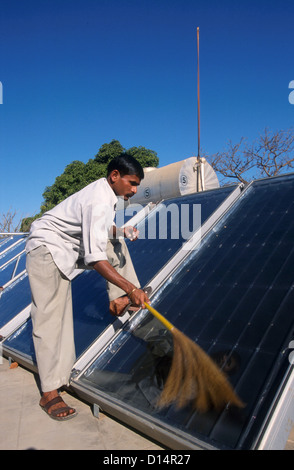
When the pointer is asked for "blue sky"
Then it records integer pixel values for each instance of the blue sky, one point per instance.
(76, 74)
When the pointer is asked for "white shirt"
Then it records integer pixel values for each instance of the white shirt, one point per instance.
(77, 228)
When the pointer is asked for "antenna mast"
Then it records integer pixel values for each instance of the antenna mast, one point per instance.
(198, 94)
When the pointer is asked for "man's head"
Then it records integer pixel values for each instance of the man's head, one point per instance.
(124, 174)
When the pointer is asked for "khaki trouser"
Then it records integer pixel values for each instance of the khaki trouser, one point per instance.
(51, 311)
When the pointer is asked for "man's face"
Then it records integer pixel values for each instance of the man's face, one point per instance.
(124, 186)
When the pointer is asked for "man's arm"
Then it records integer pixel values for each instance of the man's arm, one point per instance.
(136, 295)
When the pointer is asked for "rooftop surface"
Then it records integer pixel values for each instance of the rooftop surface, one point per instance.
(24, 426)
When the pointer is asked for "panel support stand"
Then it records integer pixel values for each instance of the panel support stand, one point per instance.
(96, 410)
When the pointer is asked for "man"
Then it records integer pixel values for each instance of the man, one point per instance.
(80, 227)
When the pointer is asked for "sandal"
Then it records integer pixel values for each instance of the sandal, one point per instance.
(54, 413)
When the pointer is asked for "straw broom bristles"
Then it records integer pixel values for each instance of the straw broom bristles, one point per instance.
(194, 377)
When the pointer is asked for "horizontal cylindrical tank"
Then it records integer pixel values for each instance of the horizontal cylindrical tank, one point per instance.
(174, 180)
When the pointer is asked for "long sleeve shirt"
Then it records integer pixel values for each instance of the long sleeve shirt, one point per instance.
(77, 228)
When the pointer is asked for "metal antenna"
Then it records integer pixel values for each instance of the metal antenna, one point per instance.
(198, 93)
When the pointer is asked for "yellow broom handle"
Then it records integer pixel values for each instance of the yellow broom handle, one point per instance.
(163, 320)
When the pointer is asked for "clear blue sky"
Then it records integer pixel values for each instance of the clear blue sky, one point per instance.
(76, 74)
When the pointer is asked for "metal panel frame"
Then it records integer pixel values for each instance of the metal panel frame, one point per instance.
(276, 426)
(19, 357)
(155, 284)
(142, 422)
(20, 318)
(153, 427)
(14, 244)
(280, 419)
(15, 322)
(273, 435)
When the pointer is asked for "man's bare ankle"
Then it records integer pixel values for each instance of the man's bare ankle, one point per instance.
(51, 394)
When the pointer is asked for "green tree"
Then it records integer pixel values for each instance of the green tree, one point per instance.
(144, 156)
(77, 175)
(27, 222)
(109, 151)
(69, 182)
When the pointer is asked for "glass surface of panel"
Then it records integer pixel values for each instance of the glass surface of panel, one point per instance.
(14, 299)
(235, 299)
(5, 241)
(21, 340)
(90, 305)
(90, 301)
(11, 248)
(12, 269)
(8, 240)
(155, 245)
(90, 309)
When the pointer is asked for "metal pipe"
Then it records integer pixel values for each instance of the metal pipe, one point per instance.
(198, 93)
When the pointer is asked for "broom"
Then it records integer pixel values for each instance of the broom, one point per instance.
(193, 376)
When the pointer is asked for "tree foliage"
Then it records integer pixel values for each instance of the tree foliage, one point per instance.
(109, 151)
(77, 175)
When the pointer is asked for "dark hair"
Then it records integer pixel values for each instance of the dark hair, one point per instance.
(126, 164)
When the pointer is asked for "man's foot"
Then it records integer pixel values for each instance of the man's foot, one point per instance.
(120, 305)
(54, 406)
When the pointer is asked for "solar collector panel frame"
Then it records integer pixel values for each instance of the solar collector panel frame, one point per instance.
(156, 281)
(140, 420)
(22, 352)
(18, 319)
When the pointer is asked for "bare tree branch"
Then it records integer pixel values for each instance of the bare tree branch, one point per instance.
(232, 163)
(273, 152)
(7, 223)
(269, 155)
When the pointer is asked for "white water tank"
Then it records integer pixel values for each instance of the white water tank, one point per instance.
(174, 180)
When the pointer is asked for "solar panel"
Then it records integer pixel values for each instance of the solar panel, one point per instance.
(11, 268)
(14, 285)
(11, 245)
(234, 297)
(20, 345)
(5, 239)
(90, 301)
(157, 247)
(14, 298)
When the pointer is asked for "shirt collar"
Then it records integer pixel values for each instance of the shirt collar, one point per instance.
(111, 192)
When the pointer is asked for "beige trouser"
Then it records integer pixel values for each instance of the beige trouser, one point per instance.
(51, 311)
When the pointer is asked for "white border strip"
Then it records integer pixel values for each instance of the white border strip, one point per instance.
(281, 422)
(15, 322)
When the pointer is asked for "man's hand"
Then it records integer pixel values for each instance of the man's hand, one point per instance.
(131, 233)
(138, 297)
(125, 232)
